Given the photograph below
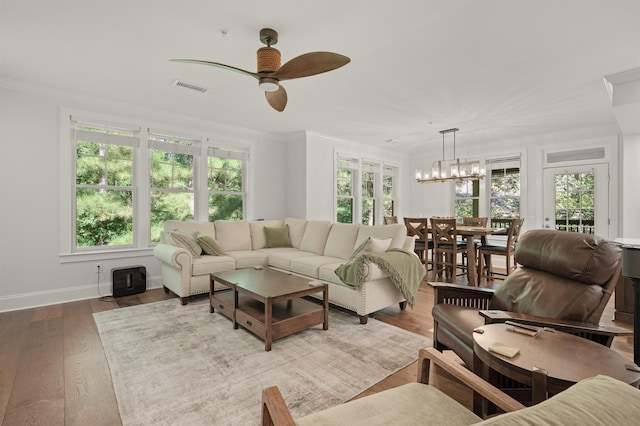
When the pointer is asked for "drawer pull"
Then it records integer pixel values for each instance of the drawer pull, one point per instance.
(221, 306)
(249, 323)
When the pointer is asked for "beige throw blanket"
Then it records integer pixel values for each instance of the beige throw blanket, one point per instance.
(405, 271)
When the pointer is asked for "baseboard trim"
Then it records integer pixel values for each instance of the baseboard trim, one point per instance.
(18, 302)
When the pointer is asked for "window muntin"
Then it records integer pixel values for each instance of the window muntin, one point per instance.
(104, 172)
(225, 183)
(172, 176)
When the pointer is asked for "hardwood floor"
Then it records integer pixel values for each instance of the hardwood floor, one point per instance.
(54, 371)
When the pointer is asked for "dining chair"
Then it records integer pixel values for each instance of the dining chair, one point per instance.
(478, 222)
(418, 229)
(388, 220)
(485, 251)
(446, 247)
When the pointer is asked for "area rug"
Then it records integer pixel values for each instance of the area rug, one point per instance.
(181, 365)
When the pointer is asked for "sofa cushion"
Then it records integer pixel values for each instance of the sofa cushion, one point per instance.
(310, 266)
(190, 227)
(209, 245)
(248, 258)
(233, 235)
(341, 240)
(186, 241)
(296, 230)
(281, 257)
(277, 236)
(258, 239)
(315, 236)
(596, 401)
(328, 273)
(208, 264)
(397, 232)
(409, 404)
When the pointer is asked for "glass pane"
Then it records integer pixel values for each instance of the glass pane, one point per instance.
(505, 208)
(169, 206)
(368, 184)
(387, 187)
(103, 218)
(387, 205)
(368, 212)
(225, 207)
(171, 170)
(344, 184)
(345, 210)
(464, 208)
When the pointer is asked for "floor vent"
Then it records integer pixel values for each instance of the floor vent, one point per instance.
(186, 85)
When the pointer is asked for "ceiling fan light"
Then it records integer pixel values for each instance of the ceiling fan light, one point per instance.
(268, 84)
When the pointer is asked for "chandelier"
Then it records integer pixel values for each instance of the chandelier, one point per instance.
(450, 170)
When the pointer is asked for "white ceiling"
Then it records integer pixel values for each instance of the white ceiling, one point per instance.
(495, 69)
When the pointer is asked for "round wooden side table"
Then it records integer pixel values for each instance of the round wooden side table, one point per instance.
(566, 358)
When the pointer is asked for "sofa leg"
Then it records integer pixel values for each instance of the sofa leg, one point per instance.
(363, 319)
(403, 305)
(184, 300)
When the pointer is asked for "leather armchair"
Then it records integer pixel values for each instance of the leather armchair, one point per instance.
(565, 281)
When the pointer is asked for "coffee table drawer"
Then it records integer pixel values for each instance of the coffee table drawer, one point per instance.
(222, 302)
(250, 323)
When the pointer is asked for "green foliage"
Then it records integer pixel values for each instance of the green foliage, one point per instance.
(345, 210)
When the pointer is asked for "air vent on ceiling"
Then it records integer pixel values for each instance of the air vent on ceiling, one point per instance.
(576, 155)
(186, 85)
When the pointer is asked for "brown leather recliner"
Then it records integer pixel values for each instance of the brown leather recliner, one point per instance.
(565, 282)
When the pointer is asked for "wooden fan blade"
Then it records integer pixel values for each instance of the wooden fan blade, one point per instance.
(310, 64)
(277, 99)
(217, 65)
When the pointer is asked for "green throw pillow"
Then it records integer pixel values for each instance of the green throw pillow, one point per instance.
(209, 245)
(277, 236)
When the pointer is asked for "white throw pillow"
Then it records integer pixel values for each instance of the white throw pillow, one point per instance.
(377, 246)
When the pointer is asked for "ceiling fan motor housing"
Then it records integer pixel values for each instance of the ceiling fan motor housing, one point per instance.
(268, 59)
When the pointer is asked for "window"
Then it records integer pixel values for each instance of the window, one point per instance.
(575, 202)
(504, 197)
(467, 198)
(345, 189)
(389, 176)
(104, 190)
(225, 178)
(121, 181)
(172, 176)
(370, 178)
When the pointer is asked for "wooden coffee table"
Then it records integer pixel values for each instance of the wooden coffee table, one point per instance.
(268, 302)
(566, 358)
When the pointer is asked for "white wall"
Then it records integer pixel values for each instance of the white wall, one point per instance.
(32, 273)
(630, 183)
(437, 198)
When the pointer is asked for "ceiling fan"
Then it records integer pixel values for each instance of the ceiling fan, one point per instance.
(270, 73)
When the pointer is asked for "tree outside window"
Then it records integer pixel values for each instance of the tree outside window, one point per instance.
(104, 196)
(225, 177)
(388, 191)
(172, 177)
(504, 203)
(345, 184)
(467, 200)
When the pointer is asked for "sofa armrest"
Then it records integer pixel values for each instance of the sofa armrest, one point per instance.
(172, 255)
(461, 295)
(602, 334)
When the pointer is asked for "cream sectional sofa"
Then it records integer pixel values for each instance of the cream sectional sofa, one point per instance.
(318, 248)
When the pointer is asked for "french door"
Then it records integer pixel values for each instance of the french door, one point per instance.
(576, 199)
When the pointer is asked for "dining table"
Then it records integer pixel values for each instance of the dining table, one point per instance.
(471, 234)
